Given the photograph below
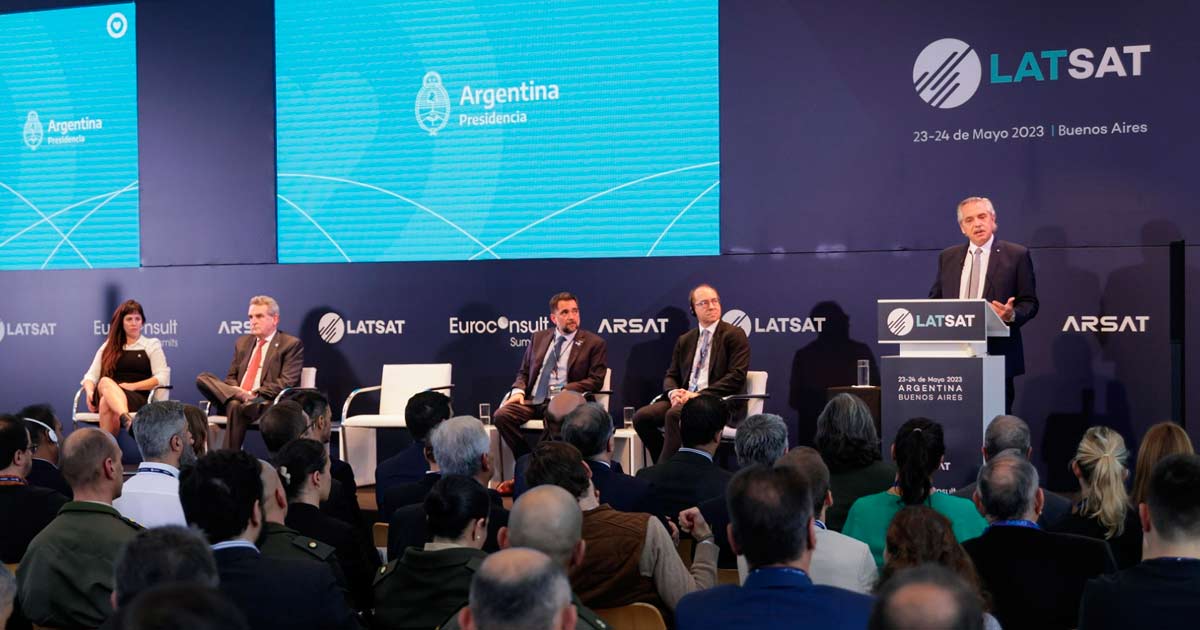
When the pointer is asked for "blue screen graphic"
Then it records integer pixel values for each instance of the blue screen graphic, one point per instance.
(68, 171)
(461, 130)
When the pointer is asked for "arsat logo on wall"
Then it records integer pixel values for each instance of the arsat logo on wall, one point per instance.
(165, 331)
(26, 329)
(633, 325)
(234, 327)
(332, 327)
(1106, 323)
(947, 73)
(749, 324)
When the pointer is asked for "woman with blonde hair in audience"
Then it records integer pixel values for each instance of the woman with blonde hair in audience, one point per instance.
(920, 535)
(849, 445)
(1162, 440)
(1104, 511)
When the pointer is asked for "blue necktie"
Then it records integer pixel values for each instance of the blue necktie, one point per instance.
(692, 384)
(543, 383)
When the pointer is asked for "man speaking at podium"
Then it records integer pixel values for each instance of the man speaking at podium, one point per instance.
(997, 271)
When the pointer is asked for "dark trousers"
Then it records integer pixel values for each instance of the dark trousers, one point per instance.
(650, 419)
(1010, 392)
(239, 415)
(508, 420)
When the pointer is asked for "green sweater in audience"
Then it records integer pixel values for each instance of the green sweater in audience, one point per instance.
(870, 516)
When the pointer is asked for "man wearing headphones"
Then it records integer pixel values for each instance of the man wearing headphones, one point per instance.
(710, 359)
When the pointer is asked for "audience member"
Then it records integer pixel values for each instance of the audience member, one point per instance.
(1035, 577)
(1164, 589)
(151, 497)
(423, 412)
(426, 586)
(761, 439)
(1161, 441)
(24, 509)
(156, 557)
(460, 446)
(320, 428)
(222, 496)
(8, 594)
(631, 556)
(838, 560)
(281, 424)
(928, 597)
(1010, 432)
(557, 410)
(919, 535)
(303, 466)
(406, 493)
(519, 589)
(918, 452)
(1103, 511)
(589, 428)
(772, 526)
(184, 607)
(849, 445)
(197, 426)
(45, 434)
(66, 576)
(689, 477)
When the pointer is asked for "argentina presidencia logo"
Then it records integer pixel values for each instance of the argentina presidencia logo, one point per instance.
(433, 104)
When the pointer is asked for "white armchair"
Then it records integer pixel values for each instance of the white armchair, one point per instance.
(158, 393)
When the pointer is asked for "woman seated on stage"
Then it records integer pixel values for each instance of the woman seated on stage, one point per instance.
(126, 367)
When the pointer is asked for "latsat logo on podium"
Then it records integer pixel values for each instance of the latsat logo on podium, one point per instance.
(900, 321)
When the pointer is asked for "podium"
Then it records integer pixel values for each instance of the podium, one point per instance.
(942, 372)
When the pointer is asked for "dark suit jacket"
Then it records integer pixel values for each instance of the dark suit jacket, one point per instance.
(358, 561)
(587, 364)
(407, 527)
(284, 361)
(406, 494)
(1009, 275)
(728, 361)
(683, 481)
(773, 599)
(47, 475)
(1055, 508)
(1163, 593)
(1036, 578)
(407, 466)
(716, 514)
(24, 512)
(623, 492)
(283, 594)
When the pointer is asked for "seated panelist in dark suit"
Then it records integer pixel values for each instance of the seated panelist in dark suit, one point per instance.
(689, 477)
(1035, 577)
(998, 271)
(45, 433)
(265, 362)
(590, 429)
(221, 495)
(564, 357)
(422, 412)
(25, 510)
(711, 359)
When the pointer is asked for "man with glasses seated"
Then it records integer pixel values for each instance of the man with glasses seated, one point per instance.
(710, 359)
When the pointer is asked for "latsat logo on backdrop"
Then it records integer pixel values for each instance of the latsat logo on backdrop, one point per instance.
(948, 72)
(26, 329)
(1106, 323)
(164, 331)
(332, 327)
(633, 325)
(784, 324)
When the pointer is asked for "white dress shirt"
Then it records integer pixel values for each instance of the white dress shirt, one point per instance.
(965, 279)
(702, 378)
(151, 346)
(151, 497)
(837, 560)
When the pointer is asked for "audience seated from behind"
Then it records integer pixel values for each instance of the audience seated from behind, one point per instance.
(1035, 577)
(1160, 442)
(184, 607)
(45, 433)
(519, 589)
(1164, 589)
(631, 556)
(1103, 511)
(197, 423)
(761, 439)
(66, 576)
(25, 509)
(849, 445)
(1010, 432)
(460, 446)
(918, 452)
(426, 586)
(690, 477)
(151, 497)
(557, 409)
(158, 557)
(928, 597)
(918, 536)
(303, 466)
(838, 560)
(772, 525)
(589, 428)
(222, 496)
(411, 493)
(320, 428)
(422, 412)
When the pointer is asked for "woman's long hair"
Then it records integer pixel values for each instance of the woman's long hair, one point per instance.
(918, 535)
(115, 344)
(1101, 459)
(919, 448)
(1162, 440)
(846, 434)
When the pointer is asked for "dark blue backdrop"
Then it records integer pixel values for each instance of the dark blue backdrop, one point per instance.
(827, 205)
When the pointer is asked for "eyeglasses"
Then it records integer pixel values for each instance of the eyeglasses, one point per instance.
(708, 302)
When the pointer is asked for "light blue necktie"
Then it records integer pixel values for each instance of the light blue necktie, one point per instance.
(694, 381)
(539, 391)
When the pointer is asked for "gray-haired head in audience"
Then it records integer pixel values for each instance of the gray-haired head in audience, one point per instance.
(519, 589)
(761, 439)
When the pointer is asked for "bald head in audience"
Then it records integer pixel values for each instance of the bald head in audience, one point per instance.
(1008, 488)
(928, 597)
(548, 519)
(91, 465)
(519, 589)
